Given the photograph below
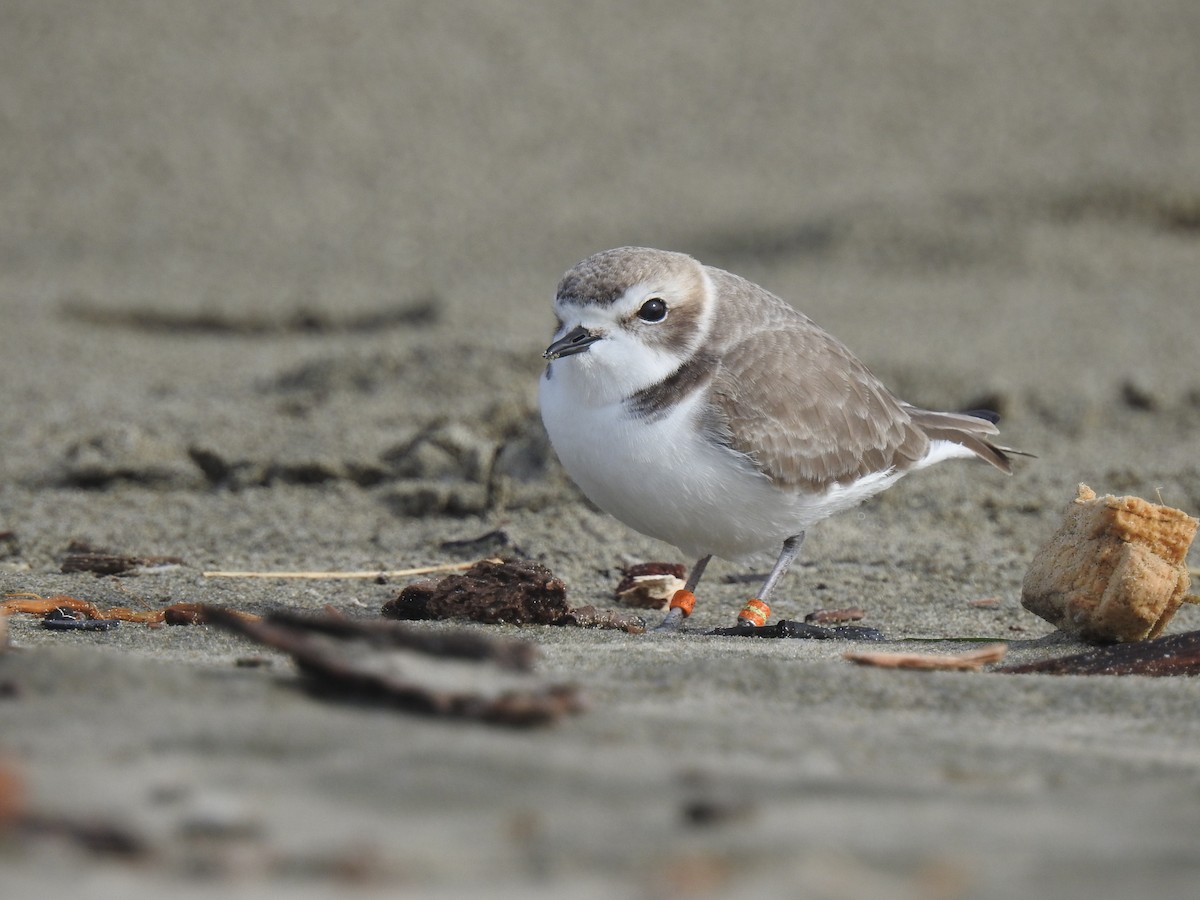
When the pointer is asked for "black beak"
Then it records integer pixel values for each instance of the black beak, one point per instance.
(577, 340)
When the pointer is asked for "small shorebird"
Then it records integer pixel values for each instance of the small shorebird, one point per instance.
(701, 409)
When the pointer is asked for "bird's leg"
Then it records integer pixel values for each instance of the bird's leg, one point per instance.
(756, 611)
(684, 600)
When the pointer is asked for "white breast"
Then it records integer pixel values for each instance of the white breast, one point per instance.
(665, 479)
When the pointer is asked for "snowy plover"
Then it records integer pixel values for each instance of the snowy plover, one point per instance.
(700, 409)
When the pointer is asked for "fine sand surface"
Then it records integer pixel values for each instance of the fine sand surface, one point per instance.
(274, 284)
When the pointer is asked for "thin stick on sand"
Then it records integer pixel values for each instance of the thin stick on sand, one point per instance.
(971, 660)
(329, 576)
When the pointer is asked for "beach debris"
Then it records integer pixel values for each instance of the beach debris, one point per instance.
(37, 605)
(193, 614)
(1114, 570)
(438, 675)
(492, 591)
(502, 591)
(60, 607)
(967, 661)
(1176, 654)
(82, 556)
(835, 616)
(650, 585)
(64, 618)
(786, 628)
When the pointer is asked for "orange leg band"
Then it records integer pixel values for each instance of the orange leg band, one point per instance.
(755, 613)
(684, 601)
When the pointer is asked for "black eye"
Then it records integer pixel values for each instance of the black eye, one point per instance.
(653, 310)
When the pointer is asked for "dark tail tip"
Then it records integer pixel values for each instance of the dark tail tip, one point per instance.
(987, 414)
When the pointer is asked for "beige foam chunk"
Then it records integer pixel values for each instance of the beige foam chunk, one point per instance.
(1114, 570)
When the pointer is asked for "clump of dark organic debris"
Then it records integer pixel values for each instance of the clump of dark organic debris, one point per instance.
(503, 591)
(514, 591)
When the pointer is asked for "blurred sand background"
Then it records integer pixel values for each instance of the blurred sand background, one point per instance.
(274, 284)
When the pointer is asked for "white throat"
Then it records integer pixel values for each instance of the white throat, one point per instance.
(620, 364)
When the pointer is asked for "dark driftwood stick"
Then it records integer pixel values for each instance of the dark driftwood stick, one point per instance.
(338, 673)
(515, 655)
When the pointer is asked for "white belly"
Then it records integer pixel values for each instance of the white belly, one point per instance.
(664, 479)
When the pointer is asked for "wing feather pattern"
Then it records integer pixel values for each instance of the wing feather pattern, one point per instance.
(806, 411)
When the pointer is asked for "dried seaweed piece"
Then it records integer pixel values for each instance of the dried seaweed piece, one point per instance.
(787, 628)
(193, 614)
(175, 614)
(503, 591)
(1177, 654)
(513, 591)
(650, 585)
(1114, 571)
(346, 674)
(35, 604)
(971, 660)
(183, 614)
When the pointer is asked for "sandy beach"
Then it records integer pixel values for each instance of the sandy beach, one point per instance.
(275, 283)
